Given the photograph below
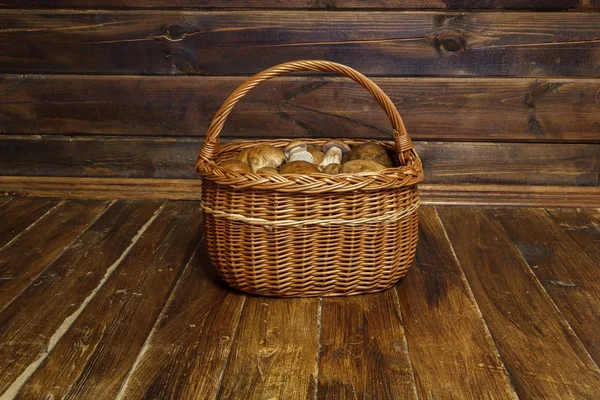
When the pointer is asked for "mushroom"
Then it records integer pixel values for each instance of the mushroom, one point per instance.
(267, 171)
(370, 151)
(235, 165)
(356, 166)
(301, 155)
(299, 168)
(293, 146)
(265, 156)
(334, 151)
(317, 154)
(243, 155)
(332, 169)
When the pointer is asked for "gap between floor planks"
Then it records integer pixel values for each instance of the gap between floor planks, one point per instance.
(181, 286)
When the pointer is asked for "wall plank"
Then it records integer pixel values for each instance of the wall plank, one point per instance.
(478, 109)
(444, 162)
(390, 43)
(311, 4)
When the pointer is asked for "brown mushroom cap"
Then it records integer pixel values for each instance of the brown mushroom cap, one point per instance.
(370, 151)
(235, 165)
(299, 168)
(332, 169)
(293, 144)
(316, 153)
(356, 166)
(243, 155)
(267, 171)
(336, 143)
(265, 155)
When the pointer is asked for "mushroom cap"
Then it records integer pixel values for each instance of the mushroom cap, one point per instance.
(356, 166)
(243, 155)
(235, 165)
(336, 143)
(316, 153)
(370, 151)
(265, 155)
(299, 168)
(293, 145)
(332, 169)
(267, 171)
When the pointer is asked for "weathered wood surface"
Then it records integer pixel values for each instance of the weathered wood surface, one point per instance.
(451, 349)
(543, 356)
(189, 189)
(102, 344)
(444, 162)
(187, 350)
(275, 351)
(311, 4)
(235, 42)
(23, 259)
(569, 276)
(29, 323)
(582, 229)
(482, 109)
(356, 361)
(19, 214)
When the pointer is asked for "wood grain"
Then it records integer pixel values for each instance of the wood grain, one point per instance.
(311, 4)
(23, 259)
(275, 351)
(234, 42)
(543, 356)
(452, 352)
(127, 306)
(443, 162)
(482, 109)
(28, 324)
(570, 277)
(581, 228)
(187, 350)
(189, 189)
(19, 214)
(356, 359)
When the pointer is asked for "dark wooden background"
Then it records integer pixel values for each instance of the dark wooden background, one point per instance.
(492, 92)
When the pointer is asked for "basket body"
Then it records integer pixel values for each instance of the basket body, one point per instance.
(300, 235)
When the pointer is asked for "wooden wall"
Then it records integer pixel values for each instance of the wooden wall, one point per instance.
(492, 91)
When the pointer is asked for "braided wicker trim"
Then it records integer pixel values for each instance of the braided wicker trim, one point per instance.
(387, 217)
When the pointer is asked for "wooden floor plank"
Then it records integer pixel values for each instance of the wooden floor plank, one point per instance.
(4, 200)
(452, 352)
(94, 355)
(544, 357)
(22, 260)
(186, 353)
(363, 349)
(570, 277)
(19, 214)
(581, 228)
(274, 354)
(30, 321)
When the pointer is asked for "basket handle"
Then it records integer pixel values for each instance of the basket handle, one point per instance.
(211, 143)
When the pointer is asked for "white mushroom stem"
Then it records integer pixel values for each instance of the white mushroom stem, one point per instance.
(295, 150)
(333, 156)
(301, 156)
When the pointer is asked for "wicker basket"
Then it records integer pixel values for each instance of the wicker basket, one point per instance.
(316, 235)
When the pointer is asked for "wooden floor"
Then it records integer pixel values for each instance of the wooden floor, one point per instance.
(116, 299)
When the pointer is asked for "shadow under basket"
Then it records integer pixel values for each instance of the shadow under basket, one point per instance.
(310, 235)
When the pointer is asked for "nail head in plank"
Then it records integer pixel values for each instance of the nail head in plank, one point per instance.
(363, 349)
(94, 355)
(452, 352)
(544, 357)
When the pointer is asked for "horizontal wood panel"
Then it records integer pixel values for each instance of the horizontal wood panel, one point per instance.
(235, 42)
(444, 162)
(479, 109)
(189, 189)
(312, 4)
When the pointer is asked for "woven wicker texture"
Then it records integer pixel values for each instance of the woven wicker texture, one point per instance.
(315, 235)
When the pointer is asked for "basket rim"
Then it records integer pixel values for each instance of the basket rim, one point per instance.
(389, 178)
